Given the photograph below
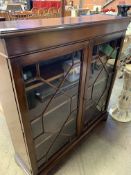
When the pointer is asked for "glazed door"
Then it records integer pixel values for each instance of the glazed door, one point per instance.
(98, 84)
(51, 86)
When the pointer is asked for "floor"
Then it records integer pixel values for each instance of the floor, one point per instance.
(107, 151)
(7, 164)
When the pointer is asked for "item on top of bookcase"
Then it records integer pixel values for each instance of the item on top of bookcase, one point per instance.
(123, 9)
(122, 112)
(74, 12)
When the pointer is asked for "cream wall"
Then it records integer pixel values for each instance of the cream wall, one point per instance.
(90, 3)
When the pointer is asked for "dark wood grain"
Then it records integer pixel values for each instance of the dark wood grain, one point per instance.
(45, 39)
(49, 54)
(9, 28)
(23, 109)
(31, 43)
(85, 64)
(2, 18)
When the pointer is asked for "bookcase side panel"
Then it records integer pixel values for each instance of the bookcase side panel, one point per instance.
(9, 109)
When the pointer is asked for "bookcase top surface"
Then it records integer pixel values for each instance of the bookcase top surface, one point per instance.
(8, 28)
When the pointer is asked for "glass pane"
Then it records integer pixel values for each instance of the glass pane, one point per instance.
(52, 97)
(101, 72)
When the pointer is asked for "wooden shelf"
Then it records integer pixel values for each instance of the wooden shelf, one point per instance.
(36, 85)
(40, 83)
